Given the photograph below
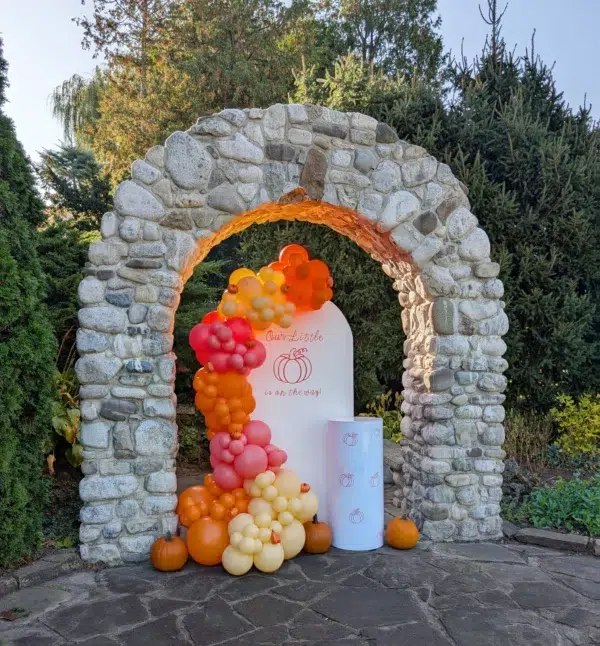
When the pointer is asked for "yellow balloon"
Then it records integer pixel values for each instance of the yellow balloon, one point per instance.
(251, 531)
(270, 493)
(285, 518)
(236, 538)
(258, 506)
(270, 558)
(265, 479)
(287, 483)
(293, 537)
(279, 504)
(255, 491)
(310, 506)
(258, 545)
(276, 527)
(265, 534)
(238, 523)
(236, 562)
(238, 274)
(248, 288)
(246, 545)
(263, 520)
(295, 506)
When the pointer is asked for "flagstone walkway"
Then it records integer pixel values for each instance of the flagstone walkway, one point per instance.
(471, 594)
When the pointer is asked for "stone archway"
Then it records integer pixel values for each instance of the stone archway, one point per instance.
(231, 170)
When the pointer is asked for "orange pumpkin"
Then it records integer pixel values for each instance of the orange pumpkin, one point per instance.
(318, 537)
(402, 533)
(206, 540)
(193, 504)
(168, 553)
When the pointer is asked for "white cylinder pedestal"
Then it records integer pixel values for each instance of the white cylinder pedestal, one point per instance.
(355, 482)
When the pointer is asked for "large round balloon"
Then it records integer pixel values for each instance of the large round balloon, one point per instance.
(206, 541)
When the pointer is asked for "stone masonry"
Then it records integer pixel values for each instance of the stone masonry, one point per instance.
(191, 189)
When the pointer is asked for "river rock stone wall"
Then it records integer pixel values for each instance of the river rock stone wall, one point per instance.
(178, 199)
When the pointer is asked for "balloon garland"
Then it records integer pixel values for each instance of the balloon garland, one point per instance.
(250, 511)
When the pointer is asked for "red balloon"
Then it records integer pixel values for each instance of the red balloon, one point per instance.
(242, 330)
(211, 317)
(227, 478)
(257, 432)
(252, 461)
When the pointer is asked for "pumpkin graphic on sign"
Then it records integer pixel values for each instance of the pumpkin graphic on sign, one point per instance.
(350, 439)
(347, 479)
(356, 517)
(293, 367)
(375, 479)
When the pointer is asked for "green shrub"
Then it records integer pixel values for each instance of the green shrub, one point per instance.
(528, 435)
(578, 424)
(387, 406)
(27, 351)
(570, 504)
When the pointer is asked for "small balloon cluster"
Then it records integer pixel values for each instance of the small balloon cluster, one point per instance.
(250, 511)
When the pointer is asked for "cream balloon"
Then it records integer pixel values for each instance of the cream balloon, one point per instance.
(287, 484)
(279, 504)
(270, 493)
(293, 537)
(263, 520)
(236, 562)
(310, 506)
(263, 480)
(238, 523)
(270, 558)
(276, 526)
(264, 534)
(285, 518)
(259, 506)
(251, 530)
(246, 545)
(255, 491)
(295, 506)
(236, 538)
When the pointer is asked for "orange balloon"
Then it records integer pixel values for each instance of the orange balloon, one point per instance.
(206, 540)
(193, 504)
(239, 494)
(227, 500)
(293, 254)
(217, 510)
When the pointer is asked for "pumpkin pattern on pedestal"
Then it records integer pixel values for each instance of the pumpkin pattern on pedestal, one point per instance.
(347, 479)
(356, 517)
(375, 479)
(350, 439)
(293, 367)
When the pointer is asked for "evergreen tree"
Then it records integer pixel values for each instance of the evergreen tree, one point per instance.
(26, 351)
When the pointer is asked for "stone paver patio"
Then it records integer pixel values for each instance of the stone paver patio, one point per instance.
(435, 595)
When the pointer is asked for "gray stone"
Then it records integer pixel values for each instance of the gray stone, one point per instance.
(385, 134)
(122, 439)
(330, 129)
(130, 229)
(478, 310)
(426, 223)
(144, 172)
(313, 174)
(492, 382)
(460, 223)
(105, 253)
(137, 313)
(188, 161)
(426, 250)
(362, 137)
(144, 466)
(234, 116)
(365, 160)
(225, 198)
(95, 435)
(156, 344)
(180, 249)
(156, 437)
(400, 207)
(342, 157)
(143, 263)
(117, 410)
(159, 504)
(97, 369)
(280, 151)
(239, 148)
(102, 319)
(90, 341)
(159, 408)
(493, 414)
(475, 247)
(96, 488)
(419, 171)
(493, 289)
(532, 596)
(497, 326)
(439, 380)
(139, 366)
(112, 529)
(555, 540)
(146, 294)
(406, 237)
(387, 177)
(177, 220)
(160, 318)
(274, 121)
(487, 269)
(213, 126)
(133, 200)
(147, 249)
(297, 113)
(438, 530)
(90, 291)
(438, 434)
(128, 393)
(121, 298)
(161, 482)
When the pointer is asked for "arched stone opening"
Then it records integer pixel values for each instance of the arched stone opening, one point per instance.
(345, 171)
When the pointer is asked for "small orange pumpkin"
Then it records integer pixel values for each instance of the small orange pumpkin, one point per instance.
(402, 533)
(168, 553)
(318, 537)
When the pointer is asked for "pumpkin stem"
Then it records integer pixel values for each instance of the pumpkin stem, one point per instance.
(168, 536)
(315, 519)
(232, 289)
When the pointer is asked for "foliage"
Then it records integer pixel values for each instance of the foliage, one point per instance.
(66, 417)
(578, 424)
(528, 434)
(387, 406)
(362, 291)
(397, 36)
(26, 351)
(190, 449)
(569, 504)
(75, 186)
(584, 463)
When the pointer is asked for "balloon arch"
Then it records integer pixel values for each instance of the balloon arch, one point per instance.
(297, 162)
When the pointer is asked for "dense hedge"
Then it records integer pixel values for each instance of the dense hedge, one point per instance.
(27, 351)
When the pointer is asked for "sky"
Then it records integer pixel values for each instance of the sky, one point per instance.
(43, 48)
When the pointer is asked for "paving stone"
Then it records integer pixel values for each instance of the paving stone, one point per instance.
(248, 586)
(134, 580)
(97, 618)
(415, 633)
(309, 627)
(589, 589)
(214, 622)
(33, 635)
(489, 552)
(301, 591)
(547, 538)
(267, 610)
(360, 581)
(160, 632)
(269, 636)
(35, 600)
(326, 567)
(364, 607)
(533, 595)
(471, 627)
(508, 573)
(582, 567)
(160, 607)
(578, 618)
(474, 582)
(194, 585)
(404, 572)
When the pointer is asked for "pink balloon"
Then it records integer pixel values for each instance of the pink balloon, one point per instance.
(227, 456)
(224, 439)
(242, 330)
(214, 461)
(198, 335)
(236, 447)
(220, 361)
(257, 432)
(270, 448)
(236, 362)
(251, 462)
(226, 477)
(277, 458)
